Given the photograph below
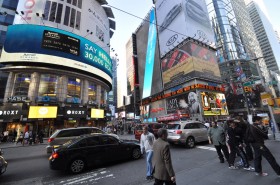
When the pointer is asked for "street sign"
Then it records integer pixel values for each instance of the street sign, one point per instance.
(249, 83)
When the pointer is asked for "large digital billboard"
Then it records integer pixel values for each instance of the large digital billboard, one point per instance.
(188, 62)
(41, 44)
(42, 112)
(214, 104)
(179, 19)
(187, 103)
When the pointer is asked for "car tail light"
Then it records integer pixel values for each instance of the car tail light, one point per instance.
(50, 140)
(178, 131)
(55, 155)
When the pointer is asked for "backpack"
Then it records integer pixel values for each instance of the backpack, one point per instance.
(248, 135)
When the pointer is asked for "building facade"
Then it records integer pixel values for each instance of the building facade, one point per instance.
(60, 71)
(266, 36)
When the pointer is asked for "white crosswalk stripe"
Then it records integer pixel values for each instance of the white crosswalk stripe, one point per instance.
(206, 148)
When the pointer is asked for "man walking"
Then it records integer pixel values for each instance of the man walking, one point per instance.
(217, 137)
(146, 143)
(163, 169)
(259, 134)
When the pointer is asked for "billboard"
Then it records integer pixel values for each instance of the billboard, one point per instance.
(214, 104)
(41, 44)
(188, 62)
(42, 112)
(179, 19)
(150, 57)
(59, 14)
(186, 103)
(97, 113)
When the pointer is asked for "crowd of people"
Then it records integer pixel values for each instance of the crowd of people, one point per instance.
(27, 137)
(239, 138)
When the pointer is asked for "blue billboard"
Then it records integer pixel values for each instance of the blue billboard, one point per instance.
(45, 44)
(150, 56)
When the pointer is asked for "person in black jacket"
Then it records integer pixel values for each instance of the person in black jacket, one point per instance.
(259, 135)
(235, 143)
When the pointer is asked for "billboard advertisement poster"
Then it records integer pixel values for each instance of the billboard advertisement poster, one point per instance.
(184, 104)
(42, 112)
(41, 44)
(188, 62)
(97, 113)
(214, 104)
(179, 19)
(150, 57)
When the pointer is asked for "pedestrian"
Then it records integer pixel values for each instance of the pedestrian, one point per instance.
(248, 148)
(150, 129)
(41, 135)
(146, 142)
(163, 169)
(217, 137)
(259, 134)
(236, 144)
(20, 138)
(26, 138)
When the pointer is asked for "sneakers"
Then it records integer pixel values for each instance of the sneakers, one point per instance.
(262, 174)
(233, 168)
(250, 168)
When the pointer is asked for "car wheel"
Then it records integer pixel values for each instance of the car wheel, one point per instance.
(136, 153)
(190, 142)
(77, 166)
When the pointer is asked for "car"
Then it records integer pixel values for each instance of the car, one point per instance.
(170, 16)
(186, 133)
(85, 151)
(61, 136)
(139, 129)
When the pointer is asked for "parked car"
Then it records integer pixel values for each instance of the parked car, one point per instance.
(87, 150)
(138, 130)
(186, 133)
(61, 136)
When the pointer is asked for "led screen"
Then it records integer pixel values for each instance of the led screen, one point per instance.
(42, 112)
(97, 113)
(41, 44)
(214, 104)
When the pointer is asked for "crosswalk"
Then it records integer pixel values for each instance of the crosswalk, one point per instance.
(206, 148)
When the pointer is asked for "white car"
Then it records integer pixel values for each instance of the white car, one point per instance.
(186, 133)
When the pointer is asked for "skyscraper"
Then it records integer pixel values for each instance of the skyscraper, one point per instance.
(266, 36)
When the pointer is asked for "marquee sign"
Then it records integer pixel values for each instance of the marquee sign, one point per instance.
(75, 112)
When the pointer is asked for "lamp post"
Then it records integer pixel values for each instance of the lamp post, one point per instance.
(277, 135)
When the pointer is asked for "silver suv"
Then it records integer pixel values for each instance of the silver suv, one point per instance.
(186, 132)
(63, 135)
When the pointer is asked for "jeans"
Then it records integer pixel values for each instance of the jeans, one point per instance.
(239, 151)
(261, 150)
(149, 156)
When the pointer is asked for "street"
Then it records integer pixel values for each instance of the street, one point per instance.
(198, 166)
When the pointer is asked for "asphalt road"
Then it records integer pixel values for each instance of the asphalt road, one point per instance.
(198, 166)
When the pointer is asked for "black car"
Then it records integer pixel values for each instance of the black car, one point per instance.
(85, 151)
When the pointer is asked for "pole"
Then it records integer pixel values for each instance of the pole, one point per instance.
(277, 135)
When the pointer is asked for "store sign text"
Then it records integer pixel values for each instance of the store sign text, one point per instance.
(8, 112)
(75, 112)
(16, 99)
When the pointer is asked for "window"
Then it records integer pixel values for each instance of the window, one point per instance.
(74, 87)
(47, 10)
(66, 17)
(58, 13)
(53, 10)
(93, 141)
(70, 133)
(72, 18)
(108, 140)
(92, 91)
(21, 84)
(48, 85)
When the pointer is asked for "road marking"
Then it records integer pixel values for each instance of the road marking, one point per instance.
(206, 148)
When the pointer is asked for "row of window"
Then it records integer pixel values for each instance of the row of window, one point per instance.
(49, 86)
(72, 17)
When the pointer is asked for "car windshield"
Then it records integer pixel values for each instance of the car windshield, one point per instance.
(173, 126)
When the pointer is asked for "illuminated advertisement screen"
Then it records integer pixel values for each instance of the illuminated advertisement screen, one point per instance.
(189, 18)
(214, 103)
(48, 45)
(97, 113)
(150, 57)
(61, 42)
(42, 112)
(188, 62)
(186, 103)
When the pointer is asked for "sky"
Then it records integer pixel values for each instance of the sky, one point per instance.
(126, 24)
